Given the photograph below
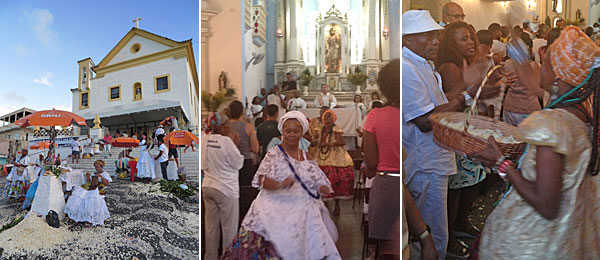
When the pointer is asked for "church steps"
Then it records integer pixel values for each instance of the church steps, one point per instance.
(189, 159)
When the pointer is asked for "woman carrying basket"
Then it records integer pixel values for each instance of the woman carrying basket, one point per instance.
(553, 208)
(458, 46)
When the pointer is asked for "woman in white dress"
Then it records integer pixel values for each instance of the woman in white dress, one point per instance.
(87, 204)
(287, 220)
(18, 177)
(276, 99)
(254, 110)
(145, 165)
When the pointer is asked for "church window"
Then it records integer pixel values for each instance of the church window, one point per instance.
(114, 93)
(162, 83)
(135, 48)
(137, 91)
(83, 76)
(84, 100)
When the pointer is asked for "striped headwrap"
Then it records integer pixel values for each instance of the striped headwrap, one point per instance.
(573, 55)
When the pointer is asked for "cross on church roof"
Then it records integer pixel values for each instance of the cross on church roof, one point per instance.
(137, 22)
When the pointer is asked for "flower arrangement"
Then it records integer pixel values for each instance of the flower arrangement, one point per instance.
(358, 77)
(49, 169)
(213, 101)
(305, 77)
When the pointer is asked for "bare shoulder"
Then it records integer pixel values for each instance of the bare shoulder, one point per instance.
(448, 68)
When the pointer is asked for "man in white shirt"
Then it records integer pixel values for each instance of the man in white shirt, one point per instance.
(428, 165)
(296, 102)
(527, 28)
(221, 161)
(162, 157)
(498, 47)
(76, 151)
(275, 98)
(325, 98)
(159, 131)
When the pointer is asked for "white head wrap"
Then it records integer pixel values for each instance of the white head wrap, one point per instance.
(293, 115)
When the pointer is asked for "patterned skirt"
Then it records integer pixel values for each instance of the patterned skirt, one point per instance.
(15, 189)
(342, 181)
(250, 245)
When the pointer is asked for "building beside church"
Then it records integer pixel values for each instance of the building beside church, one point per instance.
(141, 81)
(8, 129)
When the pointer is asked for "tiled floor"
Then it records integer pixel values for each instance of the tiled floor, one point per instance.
(350, 241)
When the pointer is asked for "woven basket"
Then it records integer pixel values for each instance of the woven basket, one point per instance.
(462, 142)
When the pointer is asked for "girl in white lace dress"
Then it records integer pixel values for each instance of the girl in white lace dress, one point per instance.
(287, 220)
(86, 203)
(145, 165)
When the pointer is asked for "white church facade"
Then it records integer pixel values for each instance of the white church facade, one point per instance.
(142, 80)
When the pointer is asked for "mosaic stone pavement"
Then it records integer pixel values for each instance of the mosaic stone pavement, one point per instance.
(144, 223)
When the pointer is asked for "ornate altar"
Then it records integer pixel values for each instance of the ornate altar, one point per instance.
(333, 41)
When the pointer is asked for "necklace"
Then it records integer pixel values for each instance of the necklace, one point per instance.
(297, 153)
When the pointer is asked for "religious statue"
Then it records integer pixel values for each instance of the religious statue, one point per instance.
(333, 52)
(222, 81)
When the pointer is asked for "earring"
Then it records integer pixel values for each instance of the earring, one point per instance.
(554, 90)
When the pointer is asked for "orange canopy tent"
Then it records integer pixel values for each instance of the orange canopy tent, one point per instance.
(51, 118)
(181, 137)
(41, 145)
(125, 142)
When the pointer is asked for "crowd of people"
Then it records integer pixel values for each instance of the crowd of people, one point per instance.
(545, 83)
(270, 173)
(85, 203)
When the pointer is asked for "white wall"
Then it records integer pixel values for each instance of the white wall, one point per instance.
(225, 47)
(594, 14)
(255, 75)
(482, 13)
(178, 71)
(147, 47)
(584, 6)
(194, 98)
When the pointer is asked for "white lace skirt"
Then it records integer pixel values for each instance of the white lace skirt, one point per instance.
(145, 166)
(299, 229)
(87, 206)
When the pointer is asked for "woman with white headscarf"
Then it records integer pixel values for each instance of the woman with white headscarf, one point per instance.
(287, 220)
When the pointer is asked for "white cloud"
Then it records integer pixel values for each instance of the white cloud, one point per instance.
(62, 107)
(14, 97)
(5, 109)
(44, 80)
(40, 22)
(21, 50)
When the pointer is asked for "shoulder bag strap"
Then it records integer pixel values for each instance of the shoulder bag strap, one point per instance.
(315, 196)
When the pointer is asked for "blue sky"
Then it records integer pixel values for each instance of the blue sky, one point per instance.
(43, 40)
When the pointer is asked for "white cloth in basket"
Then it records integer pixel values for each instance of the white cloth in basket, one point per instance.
(73, 179)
